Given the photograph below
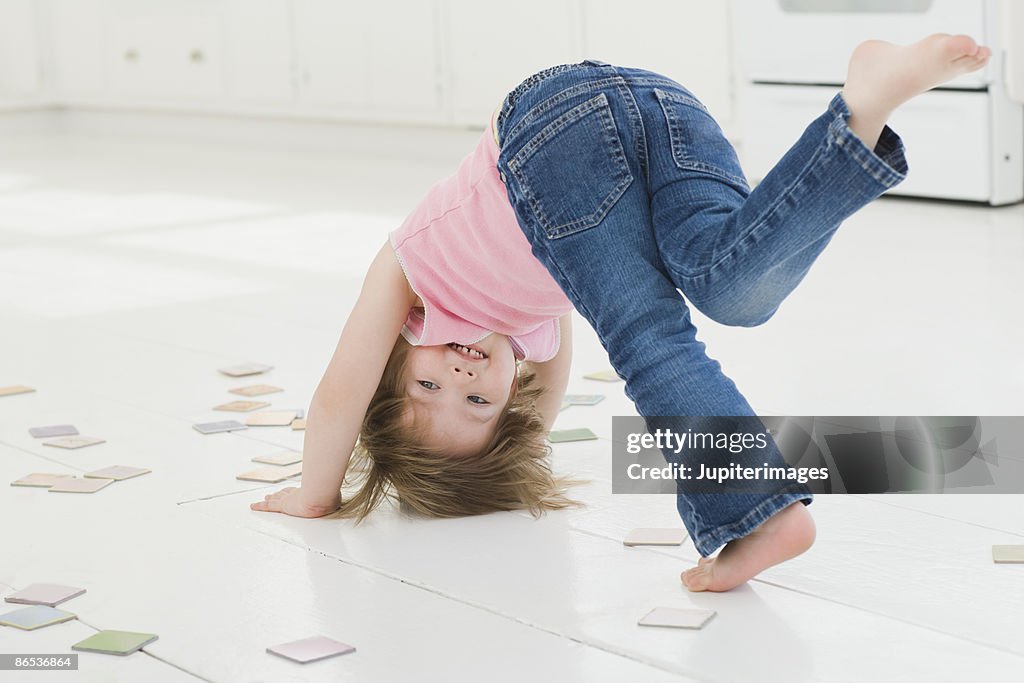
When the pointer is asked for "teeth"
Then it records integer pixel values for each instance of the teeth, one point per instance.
(468, 351)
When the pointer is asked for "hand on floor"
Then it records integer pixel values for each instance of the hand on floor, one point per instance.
(290, 501)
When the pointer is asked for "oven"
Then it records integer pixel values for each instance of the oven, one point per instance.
(965, 140)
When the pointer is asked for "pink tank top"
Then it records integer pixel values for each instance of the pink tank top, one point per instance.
(465, 256)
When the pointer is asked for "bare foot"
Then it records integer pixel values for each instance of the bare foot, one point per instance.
(882, 76)
(784, 535)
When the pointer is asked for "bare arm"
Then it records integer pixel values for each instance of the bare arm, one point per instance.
(340, 401)
(553, 374)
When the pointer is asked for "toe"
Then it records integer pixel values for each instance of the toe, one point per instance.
(697, 579)
(960, 46)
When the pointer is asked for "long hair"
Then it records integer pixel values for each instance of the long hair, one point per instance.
(511, 473)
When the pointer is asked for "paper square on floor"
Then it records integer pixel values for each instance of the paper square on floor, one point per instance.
(272, 475)
(245, 369)
(280, 458)
(36, 616)
(299, 424)
(53, 430)
(15, 389)
(117, 472)
(72, 442)
(218, 427)
(562, 435)
(655, 537)
(255, 390)
(115, 642)
(80, 485)
(604, 376)
(241, 406)
(271, 418)
(49, 594)
(1008, 554)
(41, 479)
(675, 617)
(311, 649)
(584, 399)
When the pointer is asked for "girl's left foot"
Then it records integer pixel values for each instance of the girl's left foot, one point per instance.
(784, 535)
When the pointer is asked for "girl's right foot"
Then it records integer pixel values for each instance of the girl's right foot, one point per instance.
(882, 76)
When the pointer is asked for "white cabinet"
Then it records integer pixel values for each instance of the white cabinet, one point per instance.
(258, 50)
(76, 31)
(19, 63)
(187, 52)
(398, 61)
(489, 52)
(164, 50)
(369, 60)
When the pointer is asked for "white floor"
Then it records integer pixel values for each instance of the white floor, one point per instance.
(132, 268)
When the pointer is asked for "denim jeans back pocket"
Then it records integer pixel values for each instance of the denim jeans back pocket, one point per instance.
(574, 170)
(698, 143)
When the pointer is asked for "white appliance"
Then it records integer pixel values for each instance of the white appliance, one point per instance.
(965, 140)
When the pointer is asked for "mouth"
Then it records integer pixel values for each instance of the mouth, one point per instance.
(470, 352)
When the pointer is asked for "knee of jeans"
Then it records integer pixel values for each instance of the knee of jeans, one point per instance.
(745, 314)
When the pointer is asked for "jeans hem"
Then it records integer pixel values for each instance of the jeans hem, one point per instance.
(887, 163)
(709, 541)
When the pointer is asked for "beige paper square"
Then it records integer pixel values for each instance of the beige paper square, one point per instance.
(241, 406)
(674, 536)
(41, 479)
(80, 485)
(271, 418)
(255, 390)
(1008, 554)
(272, 474)
(72, 442)
(117, 472)
(676, 617)
(279, 458)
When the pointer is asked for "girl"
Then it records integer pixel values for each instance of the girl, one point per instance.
(605, 189)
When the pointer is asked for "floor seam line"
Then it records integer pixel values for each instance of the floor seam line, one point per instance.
(440, 593)
(834, 601)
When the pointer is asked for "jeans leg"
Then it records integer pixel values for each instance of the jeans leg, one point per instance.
(576, 178)
(737, 254)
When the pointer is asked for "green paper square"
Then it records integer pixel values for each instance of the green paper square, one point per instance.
(115, 642)
(582, 434)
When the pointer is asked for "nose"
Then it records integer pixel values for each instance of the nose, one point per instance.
(462, 372)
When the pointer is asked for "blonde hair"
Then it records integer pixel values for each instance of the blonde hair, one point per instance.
(511, 473)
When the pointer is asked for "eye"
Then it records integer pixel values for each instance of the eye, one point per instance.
(477, 400)
(427, 384)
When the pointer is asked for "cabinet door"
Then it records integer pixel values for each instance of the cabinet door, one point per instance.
(491, 47)
(165, 50)
(76, 42)
(258, 50)
(19, 64)
(373, 60)
(686, 40)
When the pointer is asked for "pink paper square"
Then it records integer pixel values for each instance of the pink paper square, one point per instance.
(311, 649)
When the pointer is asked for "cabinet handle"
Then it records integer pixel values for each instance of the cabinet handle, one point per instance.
(197, 56)
(131, 55)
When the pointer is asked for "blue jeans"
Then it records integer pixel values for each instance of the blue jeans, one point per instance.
(629, 193)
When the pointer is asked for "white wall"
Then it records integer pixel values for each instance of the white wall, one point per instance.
(447, 62)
